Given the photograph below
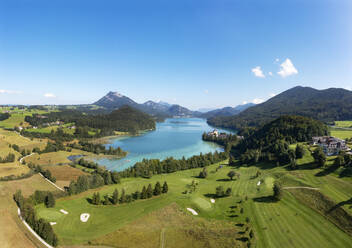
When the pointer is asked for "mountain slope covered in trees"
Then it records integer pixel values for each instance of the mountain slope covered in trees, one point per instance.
(325, 105)
(227, 111)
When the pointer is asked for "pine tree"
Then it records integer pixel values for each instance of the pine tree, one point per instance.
(157, 189)
(144, 193)
(123, 196)
(149, 191)
(165, 188)
(96, 198)
(115, 197)
(50, 200)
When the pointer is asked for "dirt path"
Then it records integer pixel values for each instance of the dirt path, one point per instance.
(51, 182)
(21, 160)
(162, 238)
(300, 187)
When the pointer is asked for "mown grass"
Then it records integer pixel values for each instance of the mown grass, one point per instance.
(341, 133)
(287, 223)
(343, 123)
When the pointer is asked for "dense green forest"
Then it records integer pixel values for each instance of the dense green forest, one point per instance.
(126, 119)
(325, 105)
(271, 142)
(4, 116)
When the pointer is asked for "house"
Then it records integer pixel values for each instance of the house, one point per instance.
(214, 133)
(331, 145)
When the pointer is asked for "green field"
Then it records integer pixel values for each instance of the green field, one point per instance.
(343, 123)
(17, 117)
(287, 223)
(341, 133)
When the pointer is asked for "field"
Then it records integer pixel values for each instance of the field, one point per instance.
(17, 117)
(64, 174)
(343, 123)
(287, 223)
(7, 138)
(341, 133)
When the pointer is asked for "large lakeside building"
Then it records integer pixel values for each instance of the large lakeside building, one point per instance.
(331, 145)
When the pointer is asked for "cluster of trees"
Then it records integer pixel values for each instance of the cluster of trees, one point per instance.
(319, 157)
(220, 192)
(271, 142)
(4, 116)
(59, 135)
(88, 164)
(99, 178)
(98, 148)
(40, 226)
(150, 167)
(8, 159)
(147, 192)
(277, 191)
(226, 140)
(45, 197)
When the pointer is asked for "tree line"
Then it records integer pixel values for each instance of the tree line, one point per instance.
(145, 193)
(8, 159)
(149, 167)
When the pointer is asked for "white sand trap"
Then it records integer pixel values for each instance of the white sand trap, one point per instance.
(212, 200)
(258, 183)
(63, 211)
(84, 217)
(52, 223)
(192, 211)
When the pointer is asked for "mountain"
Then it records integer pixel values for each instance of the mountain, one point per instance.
(115, 100)
(227, 111)
(325, 105)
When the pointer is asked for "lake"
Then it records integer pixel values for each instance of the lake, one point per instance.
(176, 137)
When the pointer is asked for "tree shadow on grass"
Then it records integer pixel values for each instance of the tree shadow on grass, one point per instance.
(214, 196)
(327, 171)
(265, 199)
(233, 215)
(243, 239)
(89, 200)
(224, 180)
(340, 204)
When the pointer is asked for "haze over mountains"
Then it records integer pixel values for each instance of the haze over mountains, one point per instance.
(325, 105)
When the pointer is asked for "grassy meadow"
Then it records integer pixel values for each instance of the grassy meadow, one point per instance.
(287, 223)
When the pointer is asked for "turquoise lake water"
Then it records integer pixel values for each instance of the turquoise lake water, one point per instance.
(176, 137)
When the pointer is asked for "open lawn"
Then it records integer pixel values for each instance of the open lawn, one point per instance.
(287, 223)
(17, 118)
(343, 123)
(341, 133)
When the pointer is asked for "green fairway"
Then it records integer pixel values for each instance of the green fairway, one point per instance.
(287, 223)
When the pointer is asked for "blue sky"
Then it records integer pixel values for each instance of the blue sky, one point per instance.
(195, 53)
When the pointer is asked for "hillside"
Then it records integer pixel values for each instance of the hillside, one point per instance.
(325, 105)
(227, 111)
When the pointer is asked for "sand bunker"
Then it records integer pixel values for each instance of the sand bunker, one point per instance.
(52, 223)
(84, 217)
(212, 200)
(63, 211)
(258, 183)
(192, 211)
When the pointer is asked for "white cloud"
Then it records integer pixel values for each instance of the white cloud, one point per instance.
(2, 91)
(257, 100)
(49, 95)
(270, 73)
(244, 102)
(277, 60)
(272, 94)
(206, 91)
(287, 69)
(257, 71)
